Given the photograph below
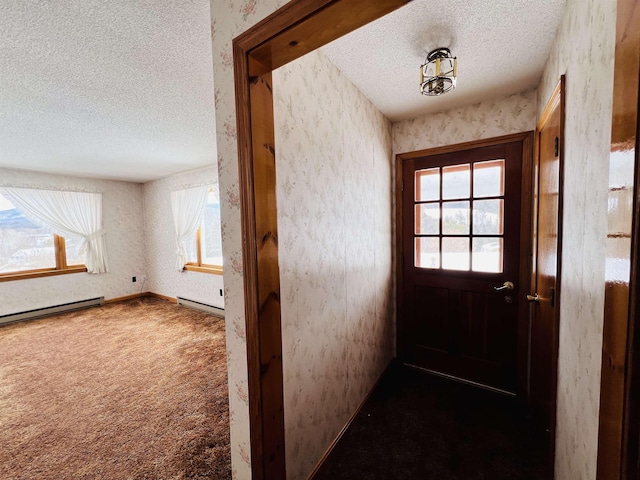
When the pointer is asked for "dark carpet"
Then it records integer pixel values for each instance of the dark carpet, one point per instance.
(420, 426)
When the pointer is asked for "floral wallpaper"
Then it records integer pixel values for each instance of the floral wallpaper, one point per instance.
(491, 118)
(584, 50)
(333, 164)
(161, 244)
(123, 222)
(229, 18)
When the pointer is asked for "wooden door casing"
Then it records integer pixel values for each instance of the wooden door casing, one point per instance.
(294, 30)
(547, 234)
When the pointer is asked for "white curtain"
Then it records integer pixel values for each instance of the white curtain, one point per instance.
(188, 207)
(68, 213)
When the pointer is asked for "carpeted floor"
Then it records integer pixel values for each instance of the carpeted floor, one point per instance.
(131, 390)
(418, 426)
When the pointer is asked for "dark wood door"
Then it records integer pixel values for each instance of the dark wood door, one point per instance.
(461, 226)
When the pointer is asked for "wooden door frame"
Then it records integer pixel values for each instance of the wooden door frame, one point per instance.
(558, 98)
(525, 236)
(294, 30)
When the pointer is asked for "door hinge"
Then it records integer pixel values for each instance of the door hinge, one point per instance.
(557, 147)
(552, 294)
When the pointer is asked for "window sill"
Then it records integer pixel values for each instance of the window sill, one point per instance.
(215, 270)
(7, 277)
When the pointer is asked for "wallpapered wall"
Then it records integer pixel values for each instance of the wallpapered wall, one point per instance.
(123, 221)
(333, 164)
(161, 243)
(492, 118)
(230, 18)
(584, 49)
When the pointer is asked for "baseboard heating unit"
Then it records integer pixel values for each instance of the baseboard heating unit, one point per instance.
(43, 312)
(218, 312)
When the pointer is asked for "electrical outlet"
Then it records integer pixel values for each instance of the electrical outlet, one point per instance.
(133, 279)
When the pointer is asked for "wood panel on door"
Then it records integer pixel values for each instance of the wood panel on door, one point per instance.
(545, 294)
(461, 239)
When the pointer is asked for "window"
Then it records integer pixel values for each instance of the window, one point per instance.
(459, 217)
(204, 249)
(28, 250)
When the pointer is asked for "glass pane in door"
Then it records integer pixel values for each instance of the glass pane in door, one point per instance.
(488, 179)
(427, 185)
(427, 252)
(456, 181)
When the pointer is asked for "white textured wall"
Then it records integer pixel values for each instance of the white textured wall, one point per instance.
(123, 221)
(333, 163)
(160, 242)
(584, 50)
(491, 118)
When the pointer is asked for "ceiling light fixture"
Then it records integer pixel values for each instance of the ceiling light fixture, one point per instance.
(438, 74)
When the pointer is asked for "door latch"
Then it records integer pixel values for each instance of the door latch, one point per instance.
(505, 286)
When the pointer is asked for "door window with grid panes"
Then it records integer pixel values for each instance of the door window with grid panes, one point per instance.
(459, 217)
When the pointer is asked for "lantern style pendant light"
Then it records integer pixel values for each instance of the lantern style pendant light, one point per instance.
(438, 74)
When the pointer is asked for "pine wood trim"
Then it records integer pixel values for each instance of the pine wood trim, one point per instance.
(558, 99)
(291, 32)
(61, 252)
(214, 269)
(163, 297)
(126, 297)
(29, 274)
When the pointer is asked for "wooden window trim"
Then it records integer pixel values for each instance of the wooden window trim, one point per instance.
(45, 272)
(198, 266)
(61, 267)
(213, 269)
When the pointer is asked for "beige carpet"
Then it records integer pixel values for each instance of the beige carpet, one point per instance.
(132, 390)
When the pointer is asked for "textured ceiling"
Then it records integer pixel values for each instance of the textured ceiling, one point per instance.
(119, 89)
(501, 45)
(123, 89)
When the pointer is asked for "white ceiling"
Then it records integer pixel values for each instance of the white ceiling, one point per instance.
(501, 45)
(123, 89)
(118, 89)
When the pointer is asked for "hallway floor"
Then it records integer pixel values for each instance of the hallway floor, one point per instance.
(420, 426)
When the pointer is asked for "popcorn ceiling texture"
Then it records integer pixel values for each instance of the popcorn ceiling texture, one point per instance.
(584, 50)
(123, 222)
(333, 167)
(161, 242)
(501, 45)
(126, 84)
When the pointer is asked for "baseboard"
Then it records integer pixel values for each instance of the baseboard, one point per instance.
(127, 297)
(163, 297)
(320, 464)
